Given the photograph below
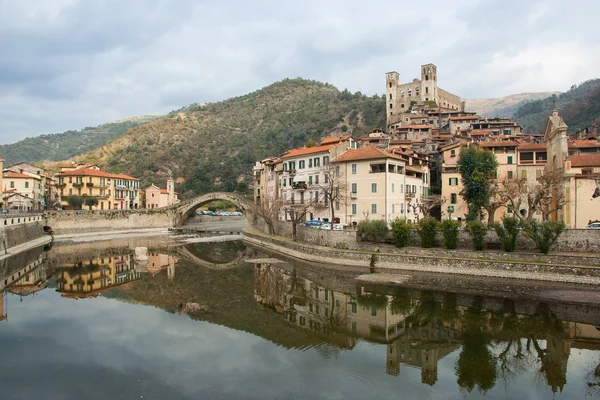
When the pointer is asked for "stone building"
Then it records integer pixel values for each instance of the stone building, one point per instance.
(401, 97)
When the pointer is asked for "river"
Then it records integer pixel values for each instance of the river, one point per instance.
(218, 320)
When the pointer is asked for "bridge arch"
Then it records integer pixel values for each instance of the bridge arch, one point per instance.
(186, 209)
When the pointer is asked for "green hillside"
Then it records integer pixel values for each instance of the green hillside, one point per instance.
(579, 107)
(62, 146)
(213, 146)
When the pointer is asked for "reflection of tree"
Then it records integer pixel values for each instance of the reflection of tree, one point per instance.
(476, 366)
(372, 300)
(592, 381)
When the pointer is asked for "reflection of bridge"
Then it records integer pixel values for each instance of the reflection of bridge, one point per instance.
(186, 253)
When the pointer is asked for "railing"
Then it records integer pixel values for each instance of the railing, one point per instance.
(78, 184)
(89, 184)
(299, 186)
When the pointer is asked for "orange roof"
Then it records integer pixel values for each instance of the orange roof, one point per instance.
(306, 150)
(463, 117)
(414, 169)
(503, 143)
(584, 143)
(18, 175)
(333, 140)
(364, 153)
(586, 160)
(86, 172)
(451, 146)
(532, 146)
(123, 176)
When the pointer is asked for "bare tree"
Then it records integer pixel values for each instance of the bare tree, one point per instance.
(333, 188)
(496, 201)
(268, 209)
(545, 195)
(426, 206)
(296, 212)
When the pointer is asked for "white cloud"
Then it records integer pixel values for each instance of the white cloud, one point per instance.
(69, 64)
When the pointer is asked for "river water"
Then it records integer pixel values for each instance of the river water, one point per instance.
(222, 321)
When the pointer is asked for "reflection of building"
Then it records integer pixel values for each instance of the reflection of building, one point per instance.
(31, 282)
(159, 262)
(98, 275)
(3, 305)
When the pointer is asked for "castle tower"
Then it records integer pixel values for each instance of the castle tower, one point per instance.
(429, 83)
(392, 80)
(392, 366)
(170, 191)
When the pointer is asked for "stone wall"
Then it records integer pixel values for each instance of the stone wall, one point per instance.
(22, 233)
(572, 240)
(82, 221)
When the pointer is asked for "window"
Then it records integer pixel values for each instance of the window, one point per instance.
(354, 188)
(538, 173)
(354, 209)
(453, 198)
(353, 169)
(401, 188)
(310, 178)
(316, 179)
(292, 165)
(390, 84)
(337, 171)
(317, 162)
(453, 181)
(337, 206)
(26, 185)
(373, 208)
(402, 207)
(453, 152)
(301, 164)
(393, 208)
(393, 187)
(510, 159)
(12, 184)
(391, 106)
(354, 325)
(285, 166)
(390, 96)
(524, 174)
(510, 174)
(373, 311)
(310, 161)
(426, 90)
(373, 187)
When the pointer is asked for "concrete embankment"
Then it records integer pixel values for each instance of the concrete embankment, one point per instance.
(577, 269)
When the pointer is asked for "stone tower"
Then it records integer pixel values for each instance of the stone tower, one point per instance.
(429, 83)
(170, 190)
(391, 95)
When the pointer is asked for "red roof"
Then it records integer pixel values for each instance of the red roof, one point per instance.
(532, 146)
(306, 150)
(86, 172)
(463, 117)
(503, 143)
(333, 140)
(421, 126)
(18, 175)
(126, 177)
(364, 153)
(586, 160)
(584, 143)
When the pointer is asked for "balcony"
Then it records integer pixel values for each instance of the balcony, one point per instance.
(300, 186)
(90, 184)
(353, 195)
(78, 184)
(318, 204)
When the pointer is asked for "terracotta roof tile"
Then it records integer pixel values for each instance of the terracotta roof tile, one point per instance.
(463, 118)
(86, 172)
(333, 140)
(126, 177)
(532, 146)
(18, 175)
(306, 150)
(583, 143)
(502, 143)
(364, 153)
(586, 160)
(419, 126)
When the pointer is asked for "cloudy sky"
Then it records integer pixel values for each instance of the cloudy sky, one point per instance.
(67, 64)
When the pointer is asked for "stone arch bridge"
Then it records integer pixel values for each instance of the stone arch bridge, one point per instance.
(187, 208)
(85, 221)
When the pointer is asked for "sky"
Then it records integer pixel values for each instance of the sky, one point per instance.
(67, 64)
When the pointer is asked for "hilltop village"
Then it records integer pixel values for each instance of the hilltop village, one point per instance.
(410, 170)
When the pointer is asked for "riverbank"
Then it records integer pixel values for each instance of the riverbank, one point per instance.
(574, 268)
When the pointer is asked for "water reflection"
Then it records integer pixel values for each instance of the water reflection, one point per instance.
(496, 345)
(420, 328)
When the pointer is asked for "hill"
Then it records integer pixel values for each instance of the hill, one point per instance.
(504, 107)
(61, 146)
(210, 147)
(579, 107)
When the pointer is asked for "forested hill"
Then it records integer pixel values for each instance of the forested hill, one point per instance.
(579, 107)
(214, 146)
(62, 146)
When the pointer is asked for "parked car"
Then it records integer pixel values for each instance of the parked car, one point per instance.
(313, 223)
(594, 225)
(336, 227)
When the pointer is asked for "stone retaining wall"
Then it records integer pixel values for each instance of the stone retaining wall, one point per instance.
(16, 235)
(575, 240)
(82, 221)
(493, 266)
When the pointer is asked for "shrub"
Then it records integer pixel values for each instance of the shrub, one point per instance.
(508, 232)
(373, 230)
(449, 229)
(427, 228)
(75, 201)
(478, 230)
(544, 234)
(401, 232)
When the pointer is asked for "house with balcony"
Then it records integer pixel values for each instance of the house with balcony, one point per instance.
(28, 187)
(379, 185)
(87, 182)
(126, 192)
